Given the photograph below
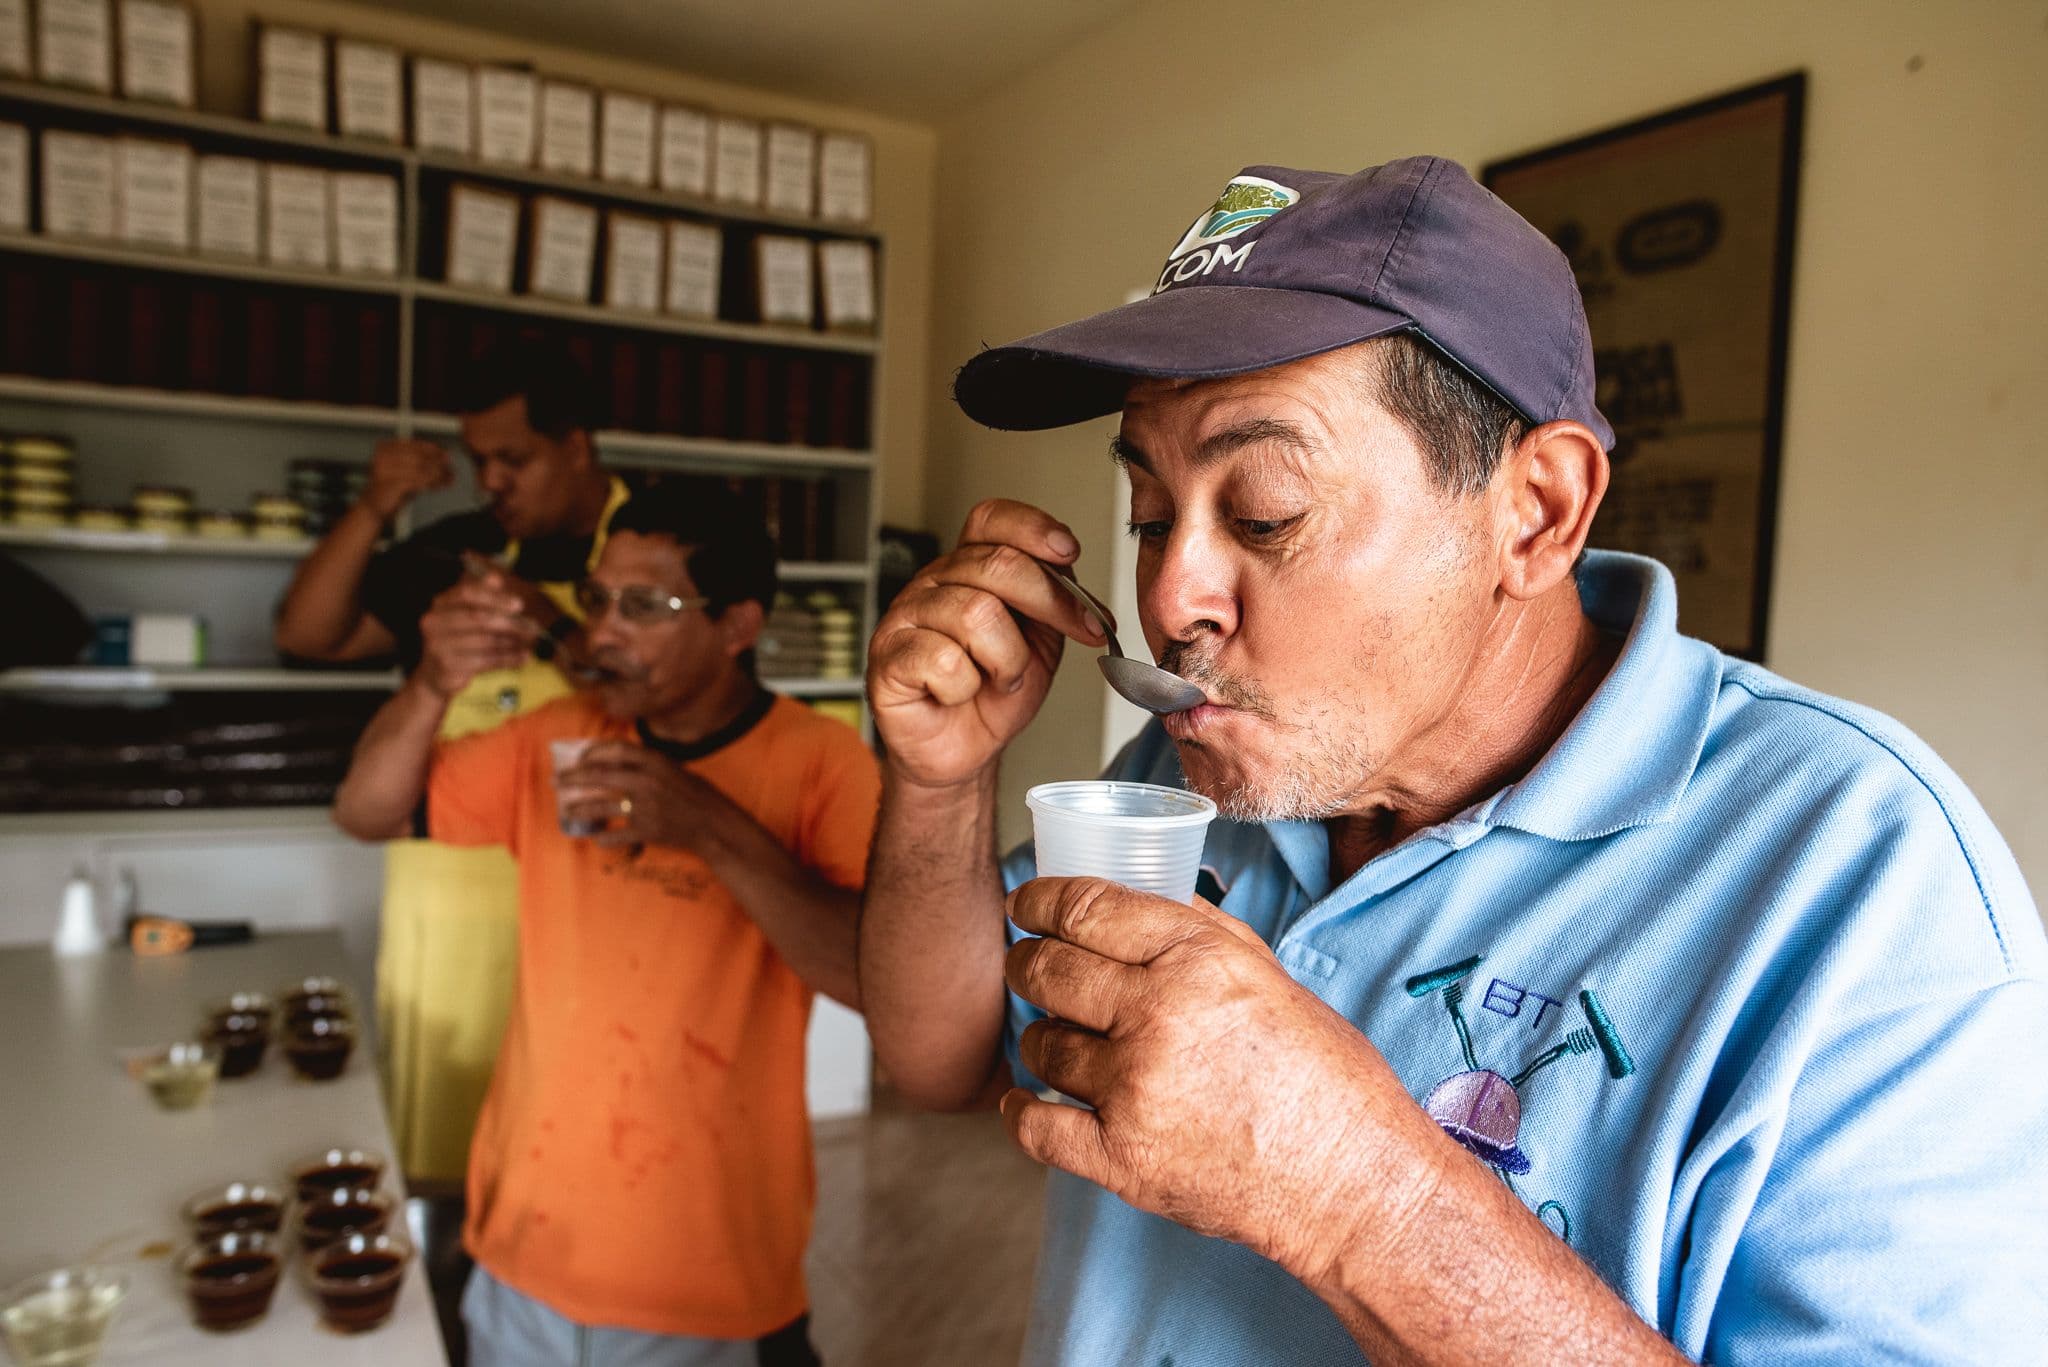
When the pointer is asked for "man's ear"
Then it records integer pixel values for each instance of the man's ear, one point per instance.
(576, 446)
(740, 626)
(1549, 485)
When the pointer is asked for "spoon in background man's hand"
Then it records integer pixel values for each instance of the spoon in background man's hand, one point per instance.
(1147, 685)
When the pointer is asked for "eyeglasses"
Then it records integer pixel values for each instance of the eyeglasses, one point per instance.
(641, 605)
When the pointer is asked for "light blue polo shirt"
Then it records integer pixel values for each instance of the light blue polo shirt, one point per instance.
(1738, 990)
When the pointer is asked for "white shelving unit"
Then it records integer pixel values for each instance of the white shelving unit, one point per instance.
(228, 446)
(142, 679)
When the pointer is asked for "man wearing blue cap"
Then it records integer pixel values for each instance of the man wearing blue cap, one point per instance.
(1565, 990)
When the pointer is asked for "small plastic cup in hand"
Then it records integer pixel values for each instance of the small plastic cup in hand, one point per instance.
(567, 754)
(1138, 834)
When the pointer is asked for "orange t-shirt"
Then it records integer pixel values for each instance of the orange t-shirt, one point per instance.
(643, 1159)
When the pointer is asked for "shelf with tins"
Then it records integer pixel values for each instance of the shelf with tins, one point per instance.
(162, 543)
(230, 434)
(150, 543)
(161, 679)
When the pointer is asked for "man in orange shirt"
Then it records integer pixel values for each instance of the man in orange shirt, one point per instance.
(641, 1186)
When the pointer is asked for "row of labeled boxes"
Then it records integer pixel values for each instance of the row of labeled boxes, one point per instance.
(577, 252)
(159, 194)
(504, 115)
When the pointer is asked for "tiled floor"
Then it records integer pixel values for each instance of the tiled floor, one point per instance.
(926, 1232)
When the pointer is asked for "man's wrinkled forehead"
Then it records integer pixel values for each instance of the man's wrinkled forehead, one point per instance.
(1291, 410)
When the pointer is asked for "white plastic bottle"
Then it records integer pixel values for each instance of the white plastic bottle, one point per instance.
(78, 925)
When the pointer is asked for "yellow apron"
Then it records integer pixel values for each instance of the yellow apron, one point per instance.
(448, 954)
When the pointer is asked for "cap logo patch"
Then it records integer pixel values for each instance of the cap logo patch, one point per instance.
(1246, 201)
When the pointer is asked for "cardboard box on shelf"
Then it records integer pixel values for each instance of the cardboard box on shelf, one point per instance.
(443, 106)
(694, 251)
(153, 193)
(291, 76)
(16, 57)
(564, 249)
(365, 222)
(626, 139)
(157, 61)
(297, 228)
(792, 170)
(75, 44)
(568, 128)
(507, 112)
(686, 151)
(846, 278)
(13, 178)
(78, 184)
(369, 90)
(632, 262)
(736, 161)
(785, 288)
(483, 238)
(230, 206)
(845, 178)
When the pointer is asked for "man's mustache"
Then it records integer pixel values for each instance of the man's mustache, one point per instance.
(609, 666)
(1186, 659)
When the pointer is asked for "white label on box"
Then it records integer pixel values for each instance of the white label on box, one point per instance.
(632, 273)
(693, 268)
(291, 77)
(369, 91)
(78, 184)
(568, 128)
(15, 59)
(295, 217)
(792, 169)
(626, 152)
(846, 276)
(564, 248)
(13, 178)
(156, 51)
(153, 204)
(505, 107)
(365, 222)
(785, 279)
(685, 151)
(75, 43)
(229, 209)
(443, 100)
(483, 238)
(845, 178)
(167, 638)
(736, 161)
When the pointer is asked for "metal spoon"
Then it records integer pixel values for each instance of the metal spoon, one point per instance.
(1147, 685)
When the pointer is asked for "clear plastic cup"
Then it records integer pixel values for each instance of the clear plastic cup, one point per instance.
(1139, 834)
(59, 1319)
(566, 755)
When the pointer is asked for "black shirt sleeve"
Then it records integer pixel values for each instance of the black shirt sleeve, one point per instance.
(403, 580)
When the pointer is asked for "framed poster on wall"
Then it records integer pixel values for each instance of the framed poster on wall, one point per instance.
(1679, 228)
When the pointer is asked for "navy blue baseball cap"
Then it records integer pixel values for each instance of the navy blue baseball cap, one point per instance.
(1289, 264)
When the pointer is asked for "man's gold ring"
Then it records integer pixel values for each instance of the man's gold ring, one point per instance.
(625, 806)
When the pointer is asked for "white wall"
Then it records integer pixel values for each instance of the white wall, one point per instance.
(1911, 551)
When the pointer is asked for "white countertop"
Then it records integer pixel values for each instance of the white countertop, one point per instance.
(92, 1170)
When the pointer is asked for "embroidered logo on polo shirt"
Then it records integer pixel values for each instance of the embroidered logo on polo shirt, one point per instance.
(1245, 202)
(1482, 1109)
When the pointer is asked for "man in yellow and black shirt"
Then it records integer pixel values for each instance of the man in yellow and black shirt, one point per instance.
(448, 946)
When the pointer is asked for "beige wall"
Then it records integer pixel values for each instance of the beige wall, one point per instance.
(904, 160)
(1911, 562)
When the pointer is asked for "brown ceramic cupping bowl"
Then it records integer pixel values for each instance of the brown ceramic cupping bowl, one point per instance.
(318, 1049)
(345, 1210)
(236, 1206)
(334, 1168)
(229, 1280)
(356, 1279)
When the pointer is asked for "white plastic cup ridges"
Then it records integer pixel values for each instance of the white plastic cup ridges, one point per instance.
(1142, 835)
